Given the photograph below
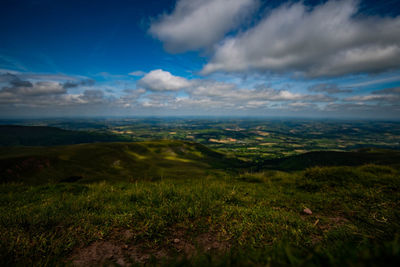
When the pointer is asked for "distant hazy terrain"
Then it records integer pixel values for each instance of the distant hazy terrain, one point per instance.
(250, 138)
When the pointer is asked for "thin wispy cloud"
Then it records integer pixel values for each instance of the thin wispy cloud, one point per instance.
(137, 73)
(376, 81)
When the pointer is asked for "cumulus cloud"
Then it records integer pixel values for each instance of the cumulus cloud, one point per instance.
(19, 87)
(31, 93)
(217, 95)
(159, 80)
(195, 24)
(232, 94)
(327, 40)
(130, 97)
(162, 91)
(229, 92)
(17, 93)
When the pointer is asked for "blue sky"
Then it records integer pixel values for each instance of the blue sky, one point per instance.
(337, 59)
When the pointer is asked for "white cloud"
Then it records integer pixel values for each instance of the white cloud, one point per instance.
(137, 73)
(159, 80)
(230, 93)
(327, 40)
(197, 24)
(369, 98)
(217, 95)
(25, 88)
(50, 93)
(168, 93)
(376, 81)
(387, 95)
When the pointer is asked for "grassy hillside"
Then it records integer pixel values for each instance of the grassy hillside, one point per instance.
(238, 220)
(333, 158)
(13, 135)
(177, 203)
(111, 161)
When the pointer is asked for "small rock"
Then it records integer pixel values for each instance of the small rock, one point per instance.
(176, 240)
(127, 234)
(307, 211)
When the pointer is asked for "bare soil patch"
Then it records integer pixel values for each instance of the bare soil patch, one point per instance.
(121, 248)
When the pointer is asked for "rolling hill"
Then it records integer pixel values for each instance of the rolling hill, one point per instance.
(188, 205)
(16, 135)
(111, 161)
(334, 158)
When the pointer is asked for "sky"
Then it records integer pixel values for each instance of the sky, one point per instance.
(248, 58)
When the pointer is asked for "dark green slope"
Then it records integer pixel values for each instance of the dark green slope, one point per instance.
(14, 135)
(111, 162)
(333, 158)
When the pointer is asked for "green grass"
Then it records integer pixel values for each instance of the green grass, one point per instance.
(58, 202)
(119, 162)
(355, 218)
(15, 135)
(335, 158)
